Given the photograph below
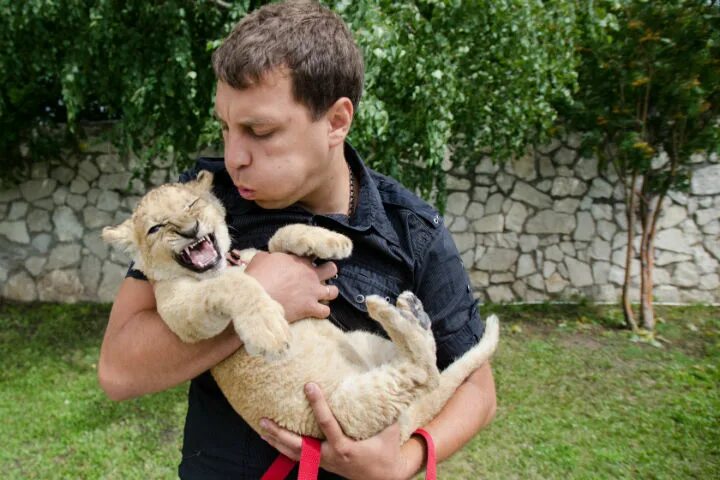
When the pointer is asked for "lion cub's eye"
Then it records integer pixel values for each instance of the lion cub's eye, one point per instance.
(155, 228)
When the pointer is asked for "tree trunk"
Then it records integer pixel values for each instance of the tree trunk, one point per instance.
(647, 217)
(630, 252)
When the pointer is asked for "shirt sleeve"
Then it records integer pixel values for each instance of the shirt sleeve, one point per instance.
(442, 284)
(135, 273)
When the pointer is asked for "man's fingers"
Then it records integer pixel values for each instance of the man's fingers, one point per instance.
(282, 440)
(325, 418)
(326, 271)
(328, 292)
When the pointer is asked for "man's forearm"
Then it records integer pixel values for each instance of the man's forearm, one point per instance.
(141, 355)
(470, 409)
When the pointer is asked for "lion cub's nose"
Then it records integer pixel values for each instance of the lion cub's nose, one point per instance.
(191, 232)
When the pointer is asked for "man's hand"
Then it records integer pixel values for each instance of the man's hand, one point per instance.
(379, 457)
(295, 283)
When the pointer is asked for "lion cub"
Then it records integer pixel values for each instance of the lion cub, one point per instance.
(178, 238)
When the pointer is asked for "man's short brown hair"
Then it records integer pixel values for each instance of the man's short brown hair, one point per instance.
(310, 41)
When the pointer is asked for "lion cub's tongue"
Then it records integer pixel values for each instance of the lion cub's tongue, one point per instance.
(203, 254)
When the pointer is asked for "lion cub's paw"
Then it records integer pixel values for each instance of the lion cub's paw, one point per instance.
(265, 332)
(309, 241)
(411, 308)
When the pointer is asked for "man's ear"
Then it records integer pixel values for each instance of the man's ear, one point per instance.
(122, 236)
(339, 116)
(203, 181)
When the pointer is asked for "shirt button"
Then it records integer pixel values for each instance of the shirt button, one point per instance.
(359, 298)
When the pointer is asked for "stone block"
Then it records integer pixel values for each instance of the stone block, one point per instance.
(491, 223)
(686, 275)
(706, 181)
(15, 231)
(60, 286)
(35, 265)
(36, 189)
(555, 284)
(579, 272)
(566, 205)
(457, 202)
(600, 189)
(494, 204)
(64, 255)
(528, 243)
(20, 287)
(500, 294)
(497, 260)
(67, 226)
(63, 174)
(548, 221)
(530, 196)
(515, 217)
(568, 187)
(525, 266)
(672, 240)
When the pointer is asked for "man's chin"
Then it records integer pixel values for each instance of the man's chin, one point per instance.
(272, 204)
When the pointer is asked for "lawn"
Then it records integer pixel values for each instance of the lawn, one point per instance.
(578, 399)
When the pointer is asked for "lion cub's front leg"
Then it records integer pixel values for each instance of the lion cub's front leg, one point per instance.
(309, 241)
(196, 310)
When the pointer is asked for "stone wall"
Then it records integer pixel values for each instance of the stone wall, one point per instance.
(550, 226)
(545, 227)
(50, 246)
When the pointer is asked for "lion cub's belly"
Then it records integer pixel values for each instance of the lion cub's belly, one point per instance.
(319, 352)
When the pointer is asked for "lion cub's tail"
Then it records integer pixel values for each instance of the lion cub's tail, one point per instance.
(427, 406)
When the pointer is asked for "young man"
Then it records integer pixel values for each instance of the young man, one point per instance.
(289, 80)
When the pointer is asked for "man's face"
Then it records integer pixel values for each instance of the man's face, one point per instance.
(275, 154)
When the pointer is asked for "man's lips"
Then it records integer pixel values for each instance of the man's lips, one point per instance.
(246, 193)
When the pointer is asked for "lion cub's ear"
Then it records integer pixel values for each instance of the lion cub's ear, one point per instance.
(122, 236)
(203, 182)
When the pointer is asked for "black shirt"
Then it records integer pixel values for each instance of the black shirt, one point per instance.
(399, 243)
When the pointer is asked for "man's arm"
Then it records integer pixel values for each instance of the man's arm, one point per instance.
(140, 355)
(468, 411)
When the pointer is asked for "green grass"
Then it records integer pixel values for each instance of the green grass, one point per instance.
(56, 422)
(577, 400)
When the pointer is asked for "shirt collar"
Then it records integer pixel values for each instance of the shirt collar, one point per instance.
(370, 211)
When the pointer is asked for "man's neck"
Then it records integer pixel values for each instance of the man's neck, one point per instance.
(332, 191)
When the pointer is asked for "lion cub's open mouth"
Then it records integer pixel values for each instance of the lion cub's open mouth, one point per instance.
(201, 255)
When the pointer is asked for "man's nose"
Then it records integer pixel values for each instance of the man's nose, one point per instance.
(237, 154)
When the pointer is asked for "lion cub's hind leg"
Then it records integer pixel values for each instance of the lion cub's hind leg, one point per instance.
(408, 326)
(366, 403)
(309, 241)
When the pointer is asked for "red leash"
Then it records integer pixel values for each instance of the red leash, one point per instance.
(431, 464)
(310, 460)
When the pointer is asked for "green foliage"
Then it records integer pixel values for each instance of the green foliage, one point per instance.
(145, 66)
(650, 83)
(471, 77)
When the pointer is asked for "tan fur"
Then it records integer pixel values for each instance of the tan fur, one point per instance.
(369, 382)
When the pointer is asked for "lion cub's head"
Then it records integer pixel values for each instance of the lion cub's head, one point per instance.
(176, 230)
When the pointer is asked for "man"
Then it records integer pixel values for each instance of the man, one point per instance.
(289, 80)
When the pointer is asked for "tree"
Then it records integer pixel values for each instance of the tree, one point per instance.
(649, 98)
(472, 77)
